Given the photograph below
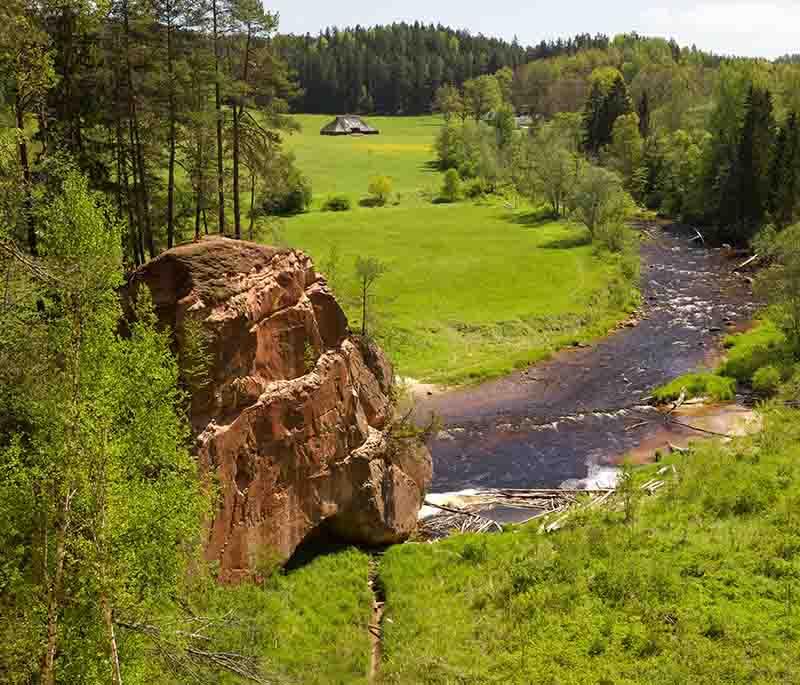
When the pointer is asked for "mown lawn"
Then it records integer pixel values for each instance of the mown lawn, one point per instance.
(471, 291)
(402, 151)
(701, 586)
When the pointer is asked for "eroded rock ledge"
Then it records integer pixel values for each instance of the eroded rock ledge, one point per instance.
(294, 423)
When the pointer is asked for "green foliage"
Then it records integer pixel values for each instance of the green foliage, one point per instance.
(767, 380)
(779, 284)
(451, 186)
(286, 190)
(482, 96)
(101, 496)
(748, 352)
(380, 188)
(599, 199)
(337, 203)
(716, 387)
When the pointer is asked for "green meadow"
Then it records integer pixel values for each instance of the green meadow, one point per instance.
(344, 165)
(473, 289)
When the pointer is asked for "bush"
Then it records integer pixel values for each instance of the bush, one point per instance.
(767, 380)
(288, 191)
(765, 345)
(710, 385)
(337, 203)
(451, 188)
(475, 188)
(380, 188)
(614, 236)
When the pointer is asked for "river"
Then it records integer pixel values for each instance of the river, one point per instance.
(567, 421)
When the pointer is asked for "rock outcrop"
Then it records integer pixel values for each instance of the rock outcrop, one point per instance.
(294, 419)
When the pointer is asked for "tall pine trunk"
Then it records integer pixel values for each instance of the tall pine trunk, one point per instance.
(172, 135)
(218, 104)
(238, 112)
(24, 162)
(237, 213)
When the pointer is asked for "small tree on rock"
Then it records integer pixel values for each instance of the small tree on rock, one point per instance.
(368, 271)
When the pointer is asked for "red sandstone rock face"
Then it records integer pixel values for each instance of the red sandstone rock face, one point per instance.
(294, 421)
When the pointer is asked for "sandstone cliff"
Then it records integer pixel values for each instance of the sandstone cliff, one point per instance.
(294, 421)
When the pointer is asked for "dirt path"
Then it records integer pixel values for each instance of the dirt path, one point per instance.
(569, 418)
(375, 627)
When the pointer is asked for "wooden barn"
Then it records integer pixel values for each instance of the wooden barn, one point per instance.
(348, 125)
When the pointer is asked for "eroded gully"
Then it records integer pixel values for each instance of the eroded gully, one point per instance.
(568, 420)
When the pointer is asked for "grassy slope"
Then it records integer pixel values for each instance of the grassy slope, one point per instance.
(701, 588)
(472, 290)
(309, 626)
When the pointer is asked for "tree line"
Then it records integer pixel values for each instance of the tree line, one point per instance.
(394, 69)
(689, 134)
(173, 108)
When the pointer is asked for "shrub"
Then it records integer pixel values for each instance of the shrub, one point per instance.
(765, 345)
(767, 380)
(337, 203)
(287, 190)
(451, 188)
(475, 188)
(614, 236)
(710, 385)
(380, 188)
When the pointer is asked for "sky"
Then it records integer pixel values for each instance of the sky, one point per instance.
(766, 28)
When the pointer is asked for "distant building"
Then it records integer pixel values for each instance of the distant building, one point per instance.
(348, 125)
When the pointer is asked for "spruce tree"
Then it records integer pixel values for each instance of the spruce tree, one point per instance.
(785, 174)
(644, 116)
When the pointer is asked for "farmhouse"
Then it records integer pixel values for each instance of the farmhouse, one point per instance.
(347, 125)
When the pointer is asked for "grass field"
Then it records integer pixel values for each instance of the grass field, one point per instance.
(402, 151)
(473, 289)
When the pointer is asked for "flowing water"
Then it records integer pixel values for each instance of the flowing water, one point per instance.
(568, 420)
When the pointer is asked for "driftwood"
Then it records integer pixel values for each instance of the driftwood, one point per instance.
(753, 260)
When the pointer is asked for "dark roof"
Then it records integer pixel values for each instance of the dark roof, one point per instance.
(346, 125)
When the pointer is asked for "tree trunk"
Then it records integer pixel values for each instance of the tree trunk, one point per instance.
(237, 216)
(48, 671)
(136, 145)
(197, 201)
(364, 309)
(252, 203)
(26, 176)
(218, 104)
(108, 620)
(172, 134)
(238, 112)
(134, 198)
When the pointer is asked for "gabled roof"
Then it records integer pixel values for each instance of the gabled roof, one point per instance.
(347, 124)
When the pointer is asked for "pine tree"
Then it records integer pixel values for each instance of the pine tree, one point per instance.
(591, 119)
(754, 160)
(784, 198)
(644, 116)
